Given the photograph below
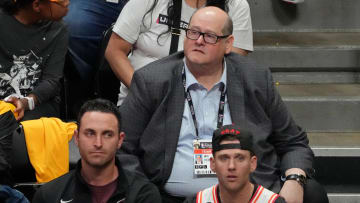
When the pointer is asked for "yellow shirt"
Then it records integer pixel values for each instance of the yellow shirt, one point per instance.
(47, 144)
(5, 107)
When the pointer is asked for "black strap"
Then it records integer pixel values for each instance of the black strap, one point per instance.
(191, 105)
(175, 27)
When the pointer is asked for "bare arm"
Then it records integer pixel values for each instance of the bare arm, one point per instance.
(22, 105)
(240, 51)
(116, 54)
(292, 191)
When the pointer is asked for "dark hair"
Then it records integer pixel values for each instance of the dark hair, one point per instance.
(11, 7)
(230, 137)
(99, 105)
(222, 4)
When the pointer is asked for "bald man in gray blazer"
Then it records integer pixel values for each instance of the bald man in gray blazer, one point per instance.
(167, 108)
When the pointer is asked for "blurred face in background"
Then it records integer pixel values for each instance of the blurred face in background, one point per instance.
(53, 10)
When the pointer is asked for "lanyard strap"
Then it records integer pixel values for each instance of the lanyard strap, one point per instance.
(220, 116)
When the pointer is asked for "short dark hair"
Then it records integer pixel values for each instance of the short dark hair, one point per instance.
(99, 105)
(11, 7)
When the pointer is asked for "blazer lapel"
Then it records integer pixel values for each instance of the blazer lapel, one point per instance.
(174, 113)
(235, 93)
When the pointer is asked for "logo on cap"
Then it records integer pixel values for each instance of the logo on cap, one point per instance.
(232, 131)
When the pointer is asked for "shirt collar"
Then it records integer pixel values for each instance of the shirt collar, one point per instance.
(191, 80)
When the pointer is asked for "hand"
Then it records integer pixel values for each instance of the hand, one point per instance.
(292, 192)
(20, 105)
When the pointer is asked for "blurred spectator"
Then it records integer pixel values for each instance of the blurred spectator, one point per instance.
(86, 21)
(32, 52)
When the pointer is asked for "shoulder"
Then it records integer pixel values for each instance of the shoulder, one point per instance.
(136, 180)
(252, 77)
(58, 28)
(238, 6)
(162, 69)
(206, 195)
(144, 4)
(244, 65)
(60, 25)
(268, 195)
(52, 191)
(140, 189)
(58, 182)
(55, 32)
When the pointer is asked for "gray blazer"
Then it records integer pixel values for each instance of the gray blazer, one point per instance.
(152, 115)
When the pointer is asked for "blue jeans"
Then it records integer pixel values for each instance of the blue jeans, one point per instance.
(86, 21)
(9, 195)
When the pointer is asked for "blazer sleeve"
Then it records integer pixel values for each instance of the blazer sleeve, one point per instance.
(135, 115)
(290, 141)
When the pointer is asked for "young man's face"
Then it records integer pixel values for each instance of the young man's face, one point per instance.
(98, 139)
(233, 167)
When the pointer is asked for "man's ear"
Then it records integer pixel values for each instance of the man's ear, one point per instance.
(36, 6)
(76, 137)
(229, 44)
(253, 163)
(121, 139)
(212, 164)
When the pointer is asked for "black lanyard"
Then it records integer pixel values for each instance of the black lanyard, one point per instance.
(220, 119)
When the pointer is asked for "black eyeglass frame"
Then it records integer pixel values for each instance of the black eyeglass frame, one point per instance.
(203, 34)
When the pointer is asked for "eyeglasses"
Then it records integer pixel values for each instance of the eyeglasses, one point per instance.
(208, 37)
(60, 2)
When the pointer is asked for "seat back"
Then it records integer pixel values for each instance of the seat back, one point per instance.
(21, 167)
(22, 170)
(106, 83)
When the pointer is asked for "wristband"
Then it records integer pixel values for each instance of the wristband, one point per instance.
(31, 103)
(301, 179)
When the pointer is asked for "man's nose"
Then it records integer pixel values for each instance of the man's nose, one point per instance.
(200, 40)
(231, 164)
(98, 141)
